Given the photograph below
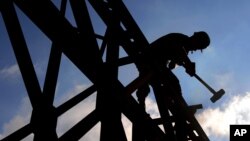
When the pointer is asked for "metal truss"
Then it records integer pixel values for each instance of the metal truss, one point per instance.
(80, 45)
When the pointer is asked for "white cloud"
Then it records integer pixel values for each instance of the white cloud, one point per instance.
(72, 117)
(127, 124)
(75, 114)
(69, 94)
(19, 120)
(40, 68)
(28, 138)
(93, 134)
(216, 121)
(13, 71)
(225, 80)
(10, 71)
(152, 108)
(65, 121)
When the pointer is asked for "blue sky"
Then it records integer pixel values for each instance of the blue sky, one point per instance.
(224, 64)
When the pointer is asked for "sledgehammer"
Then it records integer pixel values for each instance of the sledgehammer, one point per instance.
(216, 95)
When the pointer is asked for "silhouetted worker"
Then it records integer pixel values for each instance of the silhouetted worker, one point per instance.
(169, 50)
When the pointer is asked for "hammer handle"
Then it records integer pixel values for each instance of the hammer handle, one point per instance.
(205, 84)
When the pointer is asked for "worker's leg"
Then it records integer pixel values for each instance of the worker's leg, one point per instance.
(142, 93)
(171, 83)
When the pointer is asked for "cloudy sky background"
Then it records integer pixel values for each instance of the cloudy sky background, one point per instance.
(223, 65)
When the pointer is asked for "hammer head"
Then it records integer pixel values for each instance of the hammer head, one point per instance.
(217, 95)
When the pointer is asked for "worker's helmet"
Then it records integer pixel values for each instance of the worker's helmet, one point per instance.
(200, 39)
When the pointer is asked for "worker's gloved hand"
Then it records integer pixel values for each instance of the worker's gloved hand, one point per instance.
(190, 68)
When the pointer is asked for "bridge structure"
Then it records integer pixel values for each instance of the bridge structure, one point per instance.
(85, 49)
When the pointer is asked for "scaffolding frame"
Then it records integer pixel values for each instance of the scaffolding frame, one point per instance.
(80, 45)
